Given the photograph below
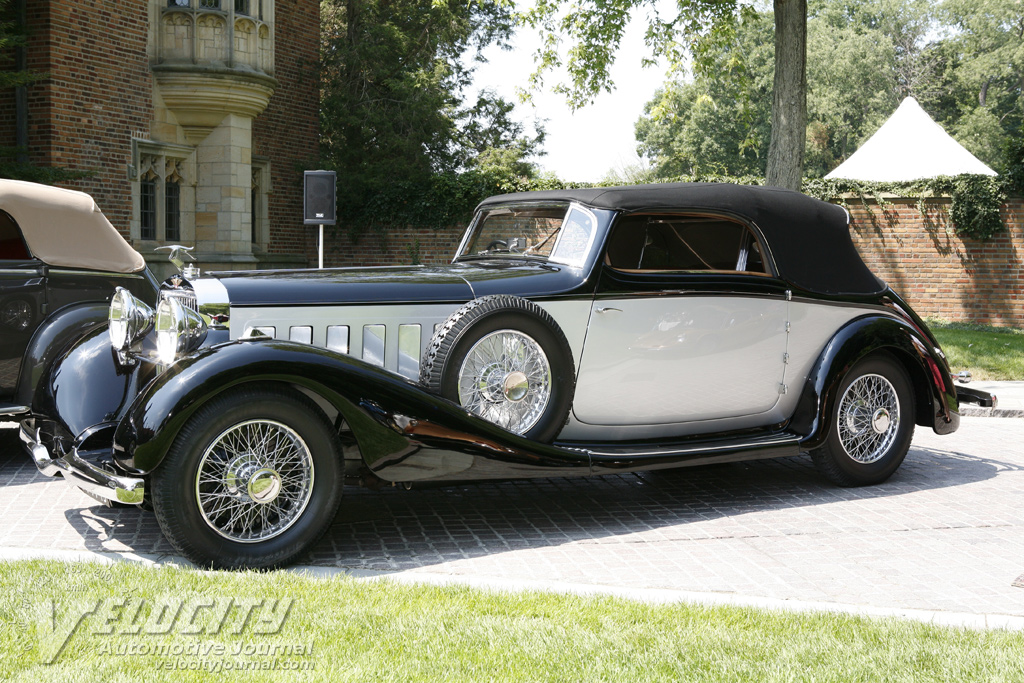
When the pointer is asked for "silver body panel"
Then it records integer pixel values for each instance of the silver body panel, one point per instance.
(665, 360)
(383, 335)
(647, 367)
(811, 326)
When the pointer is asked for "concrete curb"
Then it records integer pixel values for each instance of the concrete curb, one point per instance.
(658, 596)
(972, 411)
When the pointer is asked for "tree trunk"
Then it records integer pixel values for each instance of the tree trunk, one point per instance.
(789, 103)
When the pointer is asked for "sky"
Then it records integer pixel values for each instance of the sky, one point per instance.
(582, 145)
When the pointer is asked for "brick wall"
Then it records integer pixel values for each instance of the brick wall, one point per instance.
(394, 247)
(97, 95)
(287, 131)
(940, 274)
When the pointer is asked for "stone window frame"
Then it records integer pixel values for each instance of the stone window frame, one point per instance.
(248, 8)
(259, 216)
(163, 163)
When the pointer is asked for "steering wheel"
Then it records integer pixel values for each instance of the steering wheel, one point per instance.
(497, 243)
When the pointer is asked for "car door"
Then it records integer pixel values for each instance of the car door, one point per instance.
(688, 324)
(22, 295)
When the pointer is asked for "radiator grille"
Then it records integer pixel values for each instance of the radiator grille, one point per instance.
(185, 297)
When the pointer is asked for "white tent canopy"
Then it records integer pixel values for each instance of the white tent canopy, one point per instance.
(909, 146)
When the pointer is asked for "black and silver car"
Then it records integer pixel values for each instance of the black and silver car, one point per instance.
(60, 262)
(576, 332)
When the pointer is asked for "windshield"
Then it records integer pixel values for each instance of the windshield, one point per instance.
(561, 233)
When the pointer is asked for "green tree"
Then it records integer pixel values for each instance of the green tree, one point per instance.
(594, 30)
(985, 71)
(864, 57)
(715, 124)
(392, 79)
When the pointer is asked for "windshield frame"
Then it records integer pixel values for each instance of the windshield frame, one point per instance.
(598, 219)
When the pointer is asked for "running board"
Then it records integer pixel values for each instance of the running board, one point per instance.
(607, 459)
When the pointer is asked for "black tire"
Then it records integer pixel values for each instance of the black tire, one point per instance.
(459, 335)
(291, 527)
(857, 451)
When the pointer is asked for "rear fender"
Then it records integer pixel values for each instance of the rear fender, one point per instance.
(935, 396)
(51, 340)
(404, 433)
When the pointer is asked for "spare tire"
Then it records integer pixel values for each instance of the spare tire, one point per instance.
(505, 359)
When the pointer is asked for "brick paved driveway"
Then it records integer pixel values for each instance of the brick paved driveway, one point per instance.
(945, 533)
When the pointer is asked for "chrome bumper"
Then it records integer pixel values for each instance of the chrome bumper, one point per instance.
(95, 481)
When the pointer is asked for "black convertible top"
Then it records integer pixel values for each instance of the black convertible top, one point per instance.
(808, 238)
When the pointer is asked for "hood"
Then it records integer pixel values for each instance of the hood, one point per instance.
(457, 282)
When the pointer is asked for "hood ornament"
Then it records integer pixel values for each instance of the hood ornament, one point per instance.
(178, 252)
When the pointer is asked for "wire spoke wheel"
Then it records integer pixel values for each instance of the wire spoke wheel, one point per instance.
(871, 425)
(869, 418)
(254, 481)
(506, 378)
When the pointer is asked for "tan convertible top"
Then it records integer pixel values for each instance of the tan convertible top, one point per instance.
(66, 228)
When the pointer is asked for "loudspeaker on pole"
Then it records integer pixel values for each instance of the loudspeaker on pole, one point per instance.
(319, 197)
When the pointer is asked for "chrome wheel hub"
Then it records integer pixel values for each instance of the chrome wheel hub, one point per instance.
(869, 418)
(516, 386)
(254, 481)
(880, 421)
(506, 378)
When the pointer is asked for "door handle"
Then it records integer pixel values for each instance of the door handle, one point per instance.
(608, 309)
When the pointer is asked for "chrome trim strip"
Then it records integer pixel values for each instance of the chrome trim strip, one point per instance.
(302, 334)
(409, 350)
(64, 271)
(374, 343)
(13, 410)
(337, 338)
(746, 445)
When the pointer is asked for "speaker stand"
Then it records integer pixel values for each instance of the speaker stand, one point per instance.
(320, 246)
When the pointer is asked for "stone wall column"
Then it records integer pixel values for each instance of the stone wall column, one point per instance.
(224, 169)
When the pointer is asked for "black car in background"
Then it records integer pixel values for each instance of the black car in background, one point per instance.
(60, 262)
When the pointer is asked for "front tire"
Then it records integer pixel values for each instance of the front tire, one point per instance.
(252, 480)
(872, 424)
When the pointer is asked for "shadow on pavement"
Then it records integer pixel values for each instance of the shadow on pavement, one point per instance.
(397, 529)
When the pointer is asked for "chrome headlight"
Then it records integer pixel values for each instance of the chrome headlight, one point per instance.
(130, 319)
(179, 330)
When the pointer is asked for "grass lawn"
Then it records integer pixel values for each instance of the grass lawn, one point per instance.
(988, 353)
(144, 620)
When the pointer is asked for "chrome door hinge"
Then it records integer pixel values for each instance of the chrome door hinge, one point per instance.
(785, 358)
(789, 295)
(788, 326)
(783, 388)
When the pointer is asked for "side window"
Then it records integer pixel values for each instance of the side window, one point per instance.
(12, 247)
(683, 243)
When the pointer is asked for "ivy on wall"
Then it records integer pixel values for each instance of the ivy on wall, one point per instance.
(975, 200)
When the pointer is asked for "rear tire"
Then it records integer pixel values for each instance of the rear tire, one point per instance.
(253, 480)
(872, 424)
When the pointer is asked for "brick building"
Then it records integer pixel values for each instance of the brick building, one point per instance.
(195, 119)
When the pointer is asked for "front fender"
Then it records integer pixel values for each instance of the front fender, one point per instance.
(87, 386)
(404, 433)
(936, 403)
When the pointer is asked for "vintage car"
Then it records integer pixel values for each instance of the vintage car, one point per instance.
(60, 262)
(576, 332)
